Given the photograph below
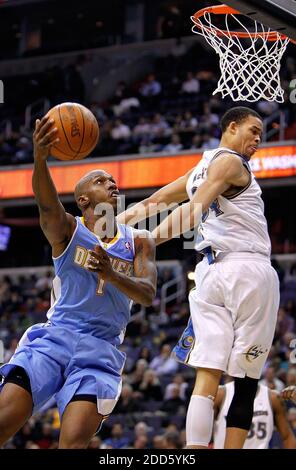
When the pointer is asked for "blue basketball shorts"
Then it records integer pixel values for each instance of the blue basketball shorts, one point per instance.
(62, 363)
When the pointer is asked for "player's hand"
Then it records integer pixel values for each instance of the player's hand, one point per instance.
(99, 262)
(289, 393)
(44, 137)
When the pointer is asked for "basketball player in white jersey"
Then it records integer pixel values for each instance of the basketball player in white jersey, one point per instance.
(269, 411)
(235, 302)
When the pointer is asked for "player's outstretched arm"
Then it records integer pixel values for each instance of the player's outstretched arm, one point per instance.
(281, 421)
(172, 193)
(57, 226)
(224, 172)
(141, 288)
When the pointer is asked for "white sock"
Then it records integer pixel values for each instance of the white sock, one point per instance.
(199, 421)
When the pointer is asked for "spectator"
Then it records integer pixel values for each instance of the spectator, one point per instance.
(150, 386)
(164, 363)
(172, 440)
(142, 128)
(117, 439)
(174, 404)
(271, 381)
(11, 350)
(209, 142)
(126, 105)
(136, 376)
(120, 131)
(127, 402)
(95, 443)
(23, 152)
(159, 126)
(196, 142)
(170, 388)
(174, 146)
(151, 87)
(158, 442)
(190, 85)
(266, 108)
(141, 442)
(285, 323)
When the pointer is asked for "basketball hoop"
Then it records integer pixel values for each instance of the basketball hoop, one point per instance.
(250, 61)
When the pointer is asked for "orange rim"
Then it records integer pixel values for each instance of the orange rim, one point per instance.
(224, 10)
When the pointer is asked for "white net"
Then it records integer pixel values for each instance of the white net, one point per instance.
(249, 66)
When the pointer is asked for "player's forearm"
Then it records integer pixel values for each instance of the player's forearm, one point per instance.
(181, 220)
(43, 187)
(134, 214)
(140, 290)
(165, 198)
(141, 211)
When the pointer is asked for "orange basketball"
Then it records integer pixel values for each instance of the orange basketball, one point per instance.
(78, 131)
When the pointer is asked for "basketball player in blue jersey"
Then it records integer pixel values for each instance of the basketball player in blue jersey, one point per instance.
(235, 300)
(75, 355)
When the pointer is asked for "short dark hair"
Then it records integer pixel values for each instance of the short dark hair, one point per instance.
(237, 114)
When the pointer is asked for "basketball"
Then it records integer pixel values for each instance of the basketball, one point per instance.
(78, 131)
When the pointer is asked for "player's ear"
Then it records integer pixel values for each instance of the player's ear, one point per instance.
(83, 201)
(232, 128)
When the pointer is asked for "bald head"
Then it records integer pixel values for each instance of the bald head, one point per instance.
(94, 187)
(82, 185)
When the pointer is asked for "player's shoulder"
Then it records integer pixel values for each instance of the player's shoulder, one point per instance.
(228, 167)
(226, 159)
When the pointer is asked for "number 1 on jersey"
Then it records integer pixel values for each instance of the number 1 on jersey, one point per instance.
(100, 287)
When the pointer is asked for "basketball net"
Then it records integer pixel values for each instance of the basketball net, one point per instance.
(249, 61)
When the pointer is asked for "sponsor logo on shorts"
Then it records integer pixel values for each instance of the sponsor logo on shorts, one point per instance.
(187, 342)
(254, 352)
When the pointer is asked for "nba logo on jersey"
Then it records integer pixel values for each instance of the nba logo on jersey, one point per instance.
(128, 246)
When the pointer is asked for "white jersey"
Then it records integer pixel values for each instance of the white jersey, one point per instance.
(262, 425)
(234, 222)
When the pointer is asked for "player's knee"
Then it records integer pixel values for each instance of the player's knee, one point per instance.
(75, 439)
(240, 412)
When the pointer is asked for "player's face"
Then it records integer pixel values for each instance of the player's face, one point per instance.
(249, 134)
(103, 188)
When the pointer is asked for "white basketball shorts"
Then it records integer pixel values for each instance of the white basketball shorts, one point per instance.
(234, 310)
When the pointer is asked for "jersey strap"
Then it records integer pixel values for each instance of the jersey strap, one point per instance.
(209, 253)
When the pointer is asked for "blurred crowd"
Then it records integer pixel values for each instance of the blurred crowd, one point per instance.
(156, 389)
(168, 111)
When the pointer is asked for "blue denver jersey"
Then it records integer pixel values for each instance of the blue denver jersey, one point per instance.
(81, 300)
